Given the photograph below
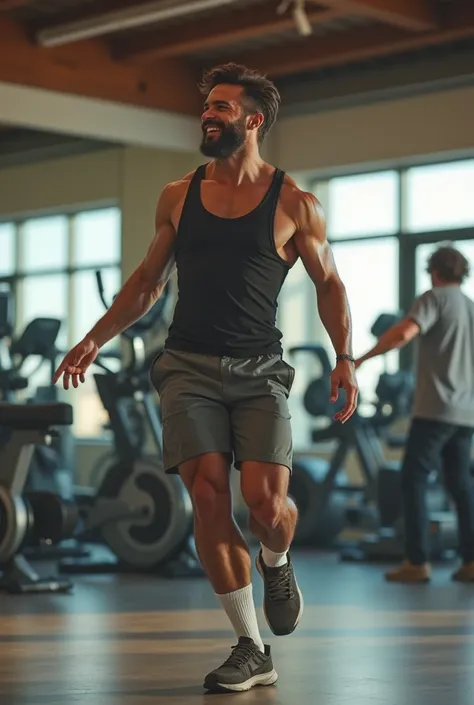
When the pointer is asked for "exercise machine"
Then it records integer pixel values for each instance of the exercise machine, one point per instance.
(331, 509)
(143, 515)
(321, 489)
(385, 541)
(27, 518)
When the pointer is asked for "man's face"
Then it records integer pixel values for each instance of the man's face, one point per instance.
(224, 122)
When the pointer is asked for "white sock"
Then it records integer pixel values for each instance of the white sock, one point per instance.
(272, 559)
(240, 609)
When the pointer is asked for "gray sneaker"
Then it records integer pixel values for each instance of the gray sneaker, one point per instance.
(283, 602)
(246, 667)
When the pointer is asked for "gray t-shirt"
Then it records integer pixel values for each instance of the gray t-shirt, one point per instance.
(445, 366)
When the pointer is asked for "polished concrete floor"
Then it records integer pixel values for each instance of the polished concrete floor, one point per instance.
(127, 640)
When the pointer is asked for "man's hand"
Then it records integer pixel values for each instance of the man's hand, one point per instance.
(358, 362)
(343, 375)
(76, 363)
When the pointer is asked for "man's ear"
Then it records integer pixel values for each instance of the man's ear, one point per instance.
(255, 121)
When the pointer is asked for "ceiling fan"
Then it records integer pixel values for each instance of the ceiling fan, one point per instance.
(300, 17)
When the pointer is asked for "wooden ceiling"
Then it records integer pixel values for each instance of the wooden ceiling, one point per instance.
(152, 53)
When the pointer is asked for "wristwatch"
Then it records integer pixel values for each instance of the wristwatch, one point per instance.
(339, 358)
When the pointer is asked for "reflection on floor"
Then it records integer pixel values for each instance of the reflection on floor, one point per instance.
(127, 640)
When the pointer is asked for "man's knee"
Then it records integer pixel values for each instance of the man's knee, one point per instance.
(207, 481)
(265, 494)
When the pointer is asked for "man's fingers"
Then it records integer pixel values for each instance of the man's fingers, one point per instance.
(59, 371)
(334, 390)
(350, 406)
(71, 373)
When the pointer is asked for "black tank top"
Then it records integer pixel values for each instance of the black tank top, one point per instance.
(229, 278)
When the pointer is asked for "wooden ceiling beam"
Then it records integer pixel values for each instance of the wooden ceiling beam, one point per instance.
(87, 69)
(12, 4)
(360, 44)
(216, 32)
(414, 15)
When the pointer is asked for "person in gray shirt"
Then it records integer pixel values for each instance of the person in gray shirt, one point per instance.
(442, 422)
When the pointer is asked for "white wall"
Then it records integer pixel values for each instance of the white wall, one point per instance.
(383, 133)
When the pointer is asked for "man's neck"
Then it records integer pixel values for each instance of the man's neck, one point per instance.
(244, 167)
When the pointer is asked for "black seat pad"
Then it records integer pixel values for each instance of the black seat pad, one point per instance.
(35, 416)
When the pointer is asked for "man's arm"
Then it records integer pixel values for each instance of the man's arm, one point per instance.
(422, 316)
(394, 338)
(147, 282)
(312, 246)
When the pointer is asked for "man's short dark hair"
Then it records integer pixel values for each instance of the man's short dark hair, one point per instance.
(449, 264)
(262, 95)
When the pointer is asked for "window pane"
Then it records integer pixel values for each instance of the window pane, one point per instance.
(44, 244)
(363, 205)
(97, 237)
(440, 196)
(88, 307)
(423, 280)
(369, 271)
(7, 249)
(46, 296)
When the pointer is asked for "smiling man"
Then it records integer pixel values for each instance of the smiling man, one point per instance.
(233, 229)
(443, 414)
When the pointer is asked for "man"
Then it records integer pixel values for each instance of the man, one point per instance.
(443, 413)
(233, 229)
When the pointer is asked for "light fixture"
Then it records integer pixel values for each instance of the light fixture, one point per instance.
(303, 25)
(135, 15)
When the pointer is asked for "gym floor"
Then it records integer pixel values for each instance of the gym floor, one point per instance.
(133, 640)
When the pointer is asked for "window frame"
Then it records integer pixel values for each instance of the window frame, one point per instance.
(14, 281)
(408, 241)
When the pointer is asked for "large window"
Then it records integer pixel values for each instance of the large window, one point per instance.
(369, 270)
(50, 263)
(382, 226)
(440, 197)
(362, 206)
(363, 220)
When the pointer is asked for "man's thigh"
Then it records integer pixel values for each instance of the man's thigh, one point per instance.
(194, 417)
(260, 416)
(425, 443)
(457, 458)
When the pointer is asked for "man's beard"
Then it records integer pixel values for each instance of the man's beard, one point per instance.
(230, 140)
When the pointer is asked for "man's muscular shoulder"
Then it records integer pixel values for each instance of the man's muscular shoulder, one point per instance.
(302, 207)
(172, 197)
(176, 189)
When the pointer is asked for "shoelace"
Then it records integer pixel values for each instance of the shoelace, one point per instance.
(240, 654)
(280, 585)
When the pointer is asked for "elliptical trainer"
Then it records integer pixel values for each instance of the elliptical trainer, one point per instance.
(144, 515)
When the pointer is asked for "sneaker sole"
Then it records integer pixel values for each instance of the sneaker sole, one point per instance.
(300, 613)
(466, 581)
(261, 680)
(408, 581)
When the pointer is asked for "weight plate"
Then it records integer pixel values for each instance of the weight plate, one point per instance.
(156, 537)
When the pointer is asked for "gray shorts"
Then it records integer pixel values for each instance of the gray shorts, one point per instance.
(234, 406)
